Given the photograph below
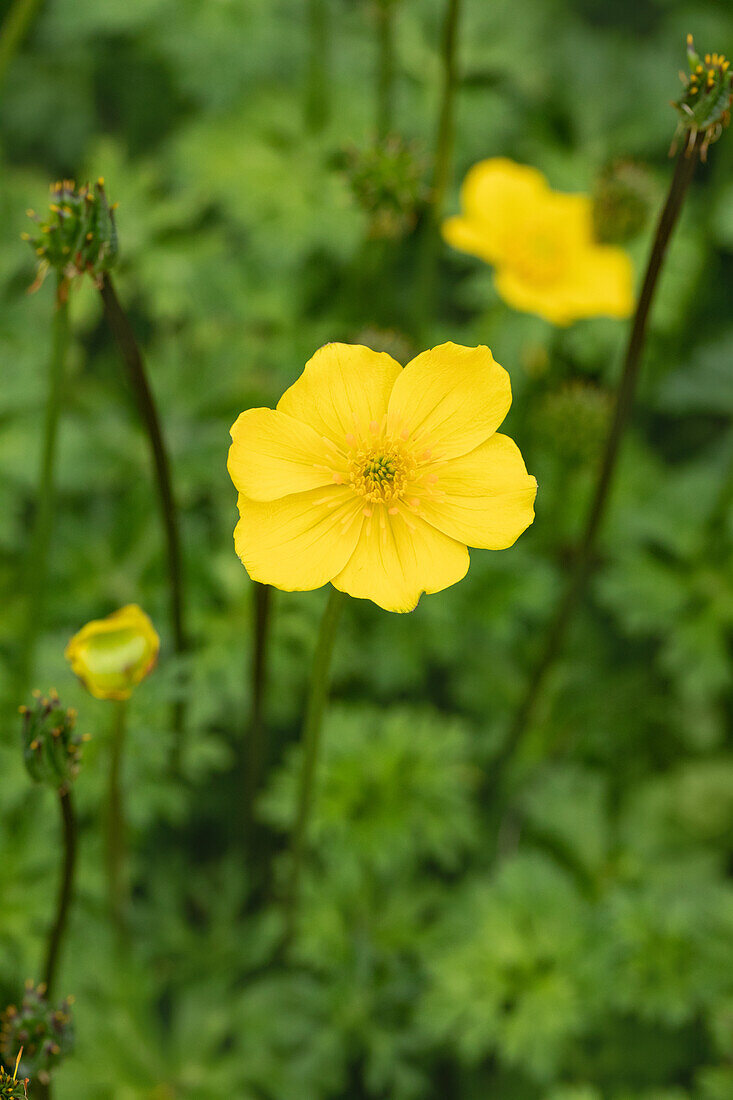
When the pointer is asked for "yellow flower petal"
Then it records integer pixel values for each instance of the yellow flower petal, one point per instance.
(343, 389)
(485, 498)
(301, 541)
(273, 455)
(599, 283)
(449, 400)
(495, 197)
(110, 656)
(397, 558)
(472, 237)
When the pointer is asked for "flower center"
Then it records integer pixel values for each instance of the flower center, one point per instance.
(379, 474)
(537, 255)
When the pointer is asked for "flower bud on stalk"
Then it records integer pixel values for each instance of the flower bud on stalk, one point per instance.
(35, 1037)
(77, 236)
(386, 180)
(51, 745)
(704, 106)
(623, 196)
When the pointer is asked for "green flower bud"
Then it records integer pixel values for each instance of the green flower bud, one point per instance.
(13, 1088)
(704, 106)
(386, 180)
(573, 421)
(395, 343)
(622, 200)
(36, 1037)
(78, 234)
(51, 745)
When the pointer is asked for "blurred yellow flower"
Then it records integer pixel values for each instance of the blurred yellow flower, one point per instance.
(377, 478)
(541, 243)
(110, 656)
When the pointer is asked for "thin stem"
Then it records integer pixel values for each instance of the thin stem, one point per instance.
(37, 562)
(66, 889)
(116, 828)
(684, 171)
(385, 68)
(318, 693)
(442, 166)
(255, 745)
(13, 31)
(317, 90)
(132, 356)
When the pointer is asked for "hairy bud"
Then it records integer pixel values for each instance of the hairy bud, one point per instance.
(51, 745)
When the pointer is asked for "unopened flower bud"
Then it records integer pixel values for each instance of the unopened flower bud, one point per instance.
(386, 180)
(622, 200)
(704, 106)
(573, 421)
(394, 343)
(45, 1034)
(77, 235)
(111, 656)
(51, 745)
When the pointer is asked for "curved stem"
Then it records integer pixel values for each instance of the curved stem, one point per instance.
(66, 889)
(37, 562)
(428, 253)
(132, 356)
(684, 171)
(385, 67)
(14, 30)
(116, 843)
(318, 693)
(255, 746)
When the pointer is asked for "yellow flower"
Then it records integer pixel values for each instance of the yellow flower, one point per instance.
(541, 243)
(377, 478)
(110, 656)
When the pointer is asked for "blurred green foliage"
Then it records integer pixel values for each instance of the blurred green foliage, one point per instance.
(584, 951)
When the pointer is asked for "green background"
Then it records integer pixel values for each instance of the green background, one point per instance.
(586, 951)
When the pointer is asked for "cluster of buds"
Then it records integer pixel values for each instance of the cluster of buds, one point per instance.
(623, 196)
(387, 182)
(78, 234)
(705, 104)
(13, 1088)
(36, 1036)
(51, 745)
(573, 421)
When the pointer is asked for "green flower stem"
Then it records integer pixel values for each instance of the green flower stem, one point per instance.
(317, 92)
(116, 828)
(442, 167)
(132, 356)
(37, 563)
(318, 693)
(255, 744)
(13, 31)
(66, 890)
(555, 637)
(384, 13)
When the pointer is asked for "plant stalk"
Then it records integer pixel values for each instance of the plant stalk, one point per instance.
(384, 13)
(318, 694)
(583, 562)
(147, 409)
(37, 565)
(13, 31)
(317, 82)
(116, 827)
(442, 167)
(66, 890)
(255, 745)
